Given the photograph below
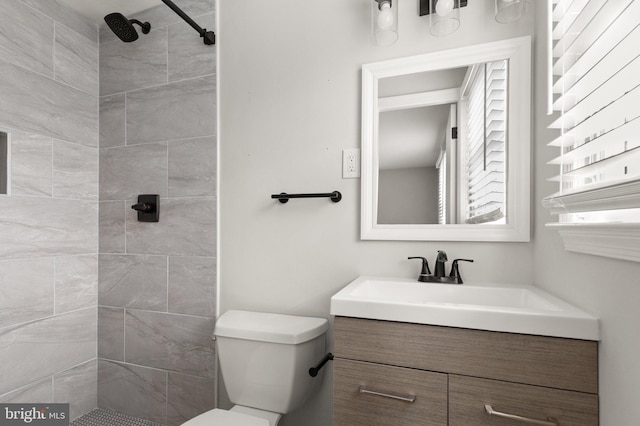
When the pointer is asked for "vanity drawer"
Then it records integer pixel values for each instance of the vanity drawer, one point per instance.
(468, 396)
(536, 360)
(355, 408)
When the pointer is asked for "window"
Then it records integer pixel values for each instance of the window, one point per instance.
(485, 103)
(595, 62)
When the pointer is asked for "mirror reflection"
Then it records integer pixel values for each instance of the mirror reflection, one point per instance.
(442, 142)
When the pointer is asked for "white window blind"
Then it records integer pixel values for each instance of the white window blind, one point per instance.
(596, 91)
(442, 188)
(485, 147)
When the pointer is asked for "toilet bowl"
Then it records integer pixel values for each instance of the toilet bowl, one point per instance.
(264, 361)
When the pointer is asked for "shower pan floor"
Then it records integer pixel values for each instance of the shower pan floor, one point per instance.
(100, 417)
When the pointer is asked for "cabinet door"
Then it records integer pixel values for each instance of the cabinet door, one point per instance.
(368, 394)
(468, 396)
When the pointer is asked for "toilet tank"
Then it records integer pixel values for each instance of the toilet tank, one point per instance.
(265, 358)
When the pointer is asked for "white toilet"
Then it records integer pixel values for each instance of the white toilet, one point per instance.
(265, 361)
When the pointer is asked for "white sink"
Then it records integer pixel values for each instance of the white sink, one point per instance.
(495, 307)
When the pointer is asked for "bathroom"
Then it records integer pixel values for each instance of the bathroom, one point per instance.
(268, 109)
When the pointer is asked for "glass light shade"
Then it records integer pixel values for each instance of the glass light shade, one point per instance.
(510, 10)
(384, 22)
(444, 16)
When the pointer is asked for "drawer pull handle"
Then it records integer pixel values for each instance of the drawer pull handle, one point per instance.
(408, 398)
(490, 411)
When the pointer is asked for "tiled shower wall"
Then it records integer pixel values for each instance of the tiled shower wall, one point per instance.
(49, 222)
(157, 291)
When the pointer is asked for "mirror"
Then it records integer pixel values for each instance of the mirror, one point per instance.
(446, 145)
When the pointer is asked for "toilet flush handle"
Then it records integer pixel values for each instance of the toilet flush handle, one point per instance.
(313, 371)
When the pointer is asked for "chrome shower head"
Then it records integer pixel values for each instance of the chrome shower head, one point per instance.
(123, 27)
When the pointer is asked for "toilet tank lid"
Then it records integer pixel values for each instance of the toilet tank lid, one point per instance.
(265, 327)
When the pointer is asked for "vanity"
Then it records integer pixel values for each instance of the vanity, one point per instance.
(521, 357)
(427, 353)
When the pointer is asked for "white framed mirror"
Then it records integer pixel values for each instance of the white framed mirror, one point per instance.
(446, 145)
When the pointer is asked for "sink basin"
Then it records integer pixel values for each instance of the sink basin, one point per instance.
(495, 307)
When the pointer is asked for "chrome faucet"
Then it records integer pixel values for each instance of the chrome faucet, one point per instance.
(439, 275)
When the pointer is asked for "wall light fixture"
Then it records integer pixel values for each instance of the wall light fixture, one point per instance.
(384, 22)
(444, 15)
(510, 10)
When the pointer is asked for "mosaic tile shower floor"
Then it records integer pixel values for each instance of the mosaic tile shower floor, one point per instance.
(100, 417)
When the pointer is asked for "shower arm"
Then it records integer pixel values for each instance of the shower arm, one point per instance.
(208, 36)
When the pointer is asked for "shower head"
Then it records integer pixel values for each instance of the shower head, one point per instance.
(123, 27)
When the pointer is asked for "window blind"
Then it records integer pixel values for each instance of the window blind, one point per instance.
(441, 165)
(485, 146)
(596, 91)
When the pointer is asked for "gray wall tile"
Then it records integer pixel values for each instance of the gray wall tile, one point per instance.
(111, 333)
(69, 17)
(187, 227)
(192, 167)
(34, 103)
(40, 391)
(130, 66)
(188, 396)
(76, 282)
(192, 285)
(112, 121)
(112, 226)
(31, 164)
(180, 110)
(75, 171)
(133, 390)
(171, 342)
(76, 60)
(106, 35)
(41, 348)
(188, 55)
(78, 386)
(36, 227)
(158, 137)
(130, 281)
(26, 290)
(126, 172)
(26, 37)
(34, 51)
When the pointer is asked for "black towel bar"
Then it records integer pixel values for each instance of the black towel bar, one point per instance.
(283, 197)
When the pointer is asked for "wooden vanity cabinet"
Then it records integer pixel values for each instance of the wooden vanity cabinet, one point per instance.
(453, 373)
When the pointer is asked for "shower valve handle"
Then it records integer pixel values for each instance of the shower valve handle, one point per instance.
(148, 208)
(143, 207)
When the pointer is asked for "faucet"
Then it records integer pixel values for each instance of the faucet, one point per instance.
(441, 259)
(439, 275)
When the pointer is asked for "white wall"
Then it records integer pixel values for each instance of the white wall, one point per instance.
(289, 103)
(607, 288)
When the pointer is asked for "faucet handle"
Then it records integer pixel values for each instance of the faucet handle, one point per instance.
(455, 272)
(425, 268)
